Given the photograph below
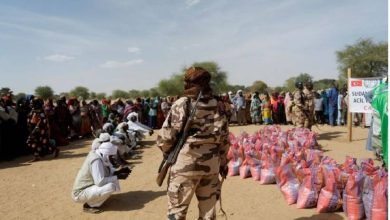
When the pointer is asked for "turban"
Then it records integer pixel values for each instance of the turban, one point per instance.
(105, 150)
(197, 79)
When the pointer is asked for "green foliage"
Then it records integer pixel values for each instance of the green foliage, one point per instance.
(44, 92)
(145, 93)
(302, 77)
(258, 86)
(101, 95)
(153, 92)
(92, 95)
(235, 88)
(116, 94)
(218, 77)
(172, 86)
(80, 91)
(279, 89)
(134, 94)
(366, 59)
(323, 84)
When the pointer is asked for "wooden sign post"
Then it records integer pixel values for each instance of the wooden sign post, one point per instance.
(349, 118)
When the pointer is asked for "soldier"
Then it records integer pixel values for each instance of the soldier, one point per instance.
(309, 104)
(299, 106)
(203, 154)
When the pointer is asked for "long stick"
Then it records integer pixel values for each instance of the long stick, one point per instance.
(349, 118)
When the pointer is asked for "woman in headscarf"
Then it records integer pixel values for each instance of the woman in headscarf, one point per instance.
(266, 109)
(23, 109)
(105, 109)
(160, 113)
(274, 104)
(85, 128)
(288, 107)
(63, 119)
(281, 109)
(54, 129)
(74, 109)
(38, 125)
(255, 108)
(153, 104)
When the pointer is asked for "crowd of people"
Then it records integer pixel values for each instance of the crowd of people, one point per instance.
(33, 125)
(37, 126)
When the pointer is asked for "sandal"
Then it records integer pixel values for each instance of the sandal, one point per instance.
(92, 210)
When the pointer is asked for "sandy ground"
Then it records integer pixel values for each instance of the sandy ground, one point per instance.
(41, 190)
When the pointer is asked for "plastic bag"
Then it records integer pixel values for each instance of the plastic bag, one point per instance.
(245, 170)
(375, 196)
(256, 172)
(267, 174)
(234, 167)
(352, 196)
(329, 199)
(287, 182)
(310, 188)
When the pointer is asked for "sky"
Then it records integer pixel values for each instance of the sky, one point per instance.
(127, 44)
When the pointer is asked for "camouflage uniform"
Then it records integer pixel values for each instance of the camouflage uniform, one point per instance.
(198, 163)
(299, 115)
(309, 105)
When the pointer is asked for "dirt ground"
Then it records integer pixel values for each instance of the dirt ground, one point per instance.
(42, 190)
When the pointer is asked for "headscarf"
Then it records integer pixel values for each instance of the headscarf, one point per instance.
(133, 114)
(197, 79)
(106, 150)
(108, 127)
(104, 137)
(121, 126)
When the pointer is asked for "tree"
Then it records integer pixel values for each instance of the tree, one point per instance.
(153, 92)
(92, 95)
(235, 88)
(258, 86)
(366, 59)
(172, 86)
(145, 93)
(116, 94)
(323, 84)
(80, 91)
(134, 94)
(44, 92)
(279, 89)
(302, 77)
(101, 95)
(218, 77)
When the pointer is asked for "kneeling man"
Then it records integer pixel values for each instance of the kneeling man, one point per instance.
(97, 179)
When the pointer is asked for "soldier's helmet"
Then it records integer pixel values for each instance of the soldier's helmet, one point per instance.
(309, 85)
(299, 85)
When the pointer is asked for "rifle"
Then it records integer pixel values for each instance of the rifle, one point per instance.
(172, 156)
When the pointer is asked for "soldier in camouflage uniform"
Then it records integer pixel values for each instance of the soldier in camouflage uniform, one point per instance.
(309, 104)
(299, 106)
(203, 156)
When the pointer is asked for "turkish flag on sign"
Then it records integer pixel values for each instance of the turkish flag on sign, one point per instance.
(355, 83)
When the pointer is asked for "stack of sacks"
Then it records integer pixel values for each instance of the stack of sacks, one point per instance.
(305, 176)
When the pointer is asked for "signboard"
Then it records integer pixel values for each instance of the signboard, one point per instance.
(358, 88)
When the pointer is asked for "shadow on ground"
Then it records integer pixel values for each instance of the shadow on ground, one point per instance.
(147, 144)
(131, 200)
(331, 135)
(322, 216)
(65, 153)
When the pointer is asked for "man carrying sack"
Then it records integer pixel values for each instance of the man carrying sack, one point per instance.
(203, 153)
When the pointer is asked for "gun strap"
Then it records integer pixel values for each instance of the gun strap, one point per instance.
(220, 200)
